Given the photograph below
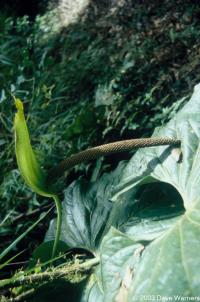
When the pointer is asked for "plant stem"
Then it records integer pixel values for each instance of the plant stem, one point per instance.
(58, 225)
(23, 297)
(64, 272)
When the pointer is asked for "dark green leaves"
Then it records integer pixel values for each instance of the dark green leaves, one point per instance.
(86, 211)
(156, 209)
(43, 253)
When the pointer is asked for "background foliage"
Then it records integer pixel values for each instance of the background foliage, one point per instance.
(114, 72)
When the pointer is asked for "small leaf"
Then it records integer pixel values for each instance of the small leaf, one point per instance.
(43, 251)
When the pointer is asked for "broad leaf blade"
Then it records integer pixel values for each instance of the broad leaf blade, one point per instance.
(169, 262)
(161, 164)
(120, 256)
(92, 290)
(86, 211)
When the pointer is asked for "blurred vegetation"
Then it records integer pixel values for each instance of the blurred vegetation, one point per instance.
(115, 73)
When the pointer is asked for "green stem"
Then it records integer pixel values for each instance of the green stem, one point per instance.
(58, 225)
(66, 272)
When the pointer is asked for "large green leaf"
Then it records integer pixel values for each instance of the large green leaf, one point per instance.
(120, 255)
(86, 210)
(169, 263)
(93, 290)
(161, 163)
(147, 210)
(157, 209)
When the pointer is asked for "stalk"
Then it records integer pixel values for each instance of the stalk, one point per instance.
(58, 224)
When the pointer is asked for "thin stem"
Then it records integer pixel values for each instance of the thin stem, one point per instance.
(58, 225)
(23, 297)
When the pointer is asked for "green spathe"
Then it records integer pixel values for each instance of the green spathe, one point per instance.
(28, 165)
(29, 168)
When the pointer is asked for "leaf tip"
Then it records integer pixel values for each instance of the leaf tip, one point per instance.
(19, 105)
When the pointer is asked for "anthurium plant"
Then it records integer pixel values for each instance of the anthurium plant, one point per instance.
(141, 222)
(143, 219)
